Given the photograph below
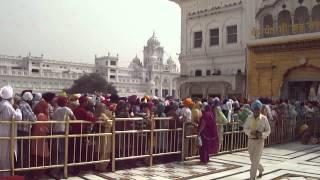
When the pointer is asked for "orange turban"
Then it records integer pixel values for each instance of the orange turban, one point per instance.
(187, 102)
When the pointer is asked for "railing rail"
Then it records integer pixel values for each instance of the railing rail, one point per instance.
(84, 143)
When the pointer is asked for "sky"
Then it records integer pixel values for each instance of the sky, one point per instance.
(77, 30)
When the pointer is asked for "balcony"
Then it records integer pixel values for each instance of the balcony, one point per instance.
(286, 30)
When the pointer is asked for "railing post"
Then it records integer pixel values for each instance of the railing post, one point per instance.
(66, 149)
(182, 142)
(232, 134)
(12, 145)
(151, 140)
(113, 158)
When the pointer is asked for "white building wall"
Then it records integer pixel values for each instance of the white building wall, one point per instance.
(231, 55)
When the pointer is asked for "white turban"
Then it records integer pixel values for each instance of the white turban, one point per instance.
(6, 92)
(37, 96)
(27, 96)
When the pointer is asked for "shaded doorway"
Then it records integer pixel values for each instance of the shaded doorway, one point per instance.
(300, 90)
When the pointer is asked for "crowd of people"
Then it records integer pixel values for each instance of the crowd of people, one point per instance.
(204, 117)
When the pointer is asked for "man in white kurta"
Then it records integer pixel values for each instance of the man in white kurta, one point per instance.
(7, 113)
(257, 128)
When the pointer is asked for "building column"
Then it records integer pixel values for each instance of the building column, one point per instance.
(204, 91)
(160, 91)
(170, 89)
(223, 93)
(188, 93)
(108, 75)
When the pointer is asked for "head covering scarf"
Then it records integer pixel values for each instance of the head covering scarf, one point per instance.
(160, 109)
(209, 134)
(114, 98)
(37, 97)
(49, 96)
(27, 96)
(24, 91)
(256, 105)
(132, 99)
(150, 105)
(6, 92)
(63, 93)
(173, 106)
(83, 99)
(62, 101)
(187, 102)
(41, 107)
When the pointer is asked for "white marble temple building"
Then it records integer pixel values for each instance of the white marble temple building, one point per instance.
(154, 76)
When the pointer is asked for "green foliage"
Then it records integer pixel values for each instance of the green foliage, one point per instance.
(92, 83)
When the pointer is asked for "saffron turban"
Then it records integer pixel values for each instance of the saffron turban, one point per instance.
(256, 105)
(187, 102)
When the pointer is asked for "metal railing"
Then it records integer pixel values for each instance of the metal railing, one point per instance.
(83, 144)
(232, 137)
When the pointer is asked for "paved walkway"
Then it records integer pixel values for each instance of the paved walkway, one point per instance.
(287, 161)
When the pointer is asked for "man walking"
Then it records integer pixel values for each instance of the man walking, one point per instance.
(257, 128)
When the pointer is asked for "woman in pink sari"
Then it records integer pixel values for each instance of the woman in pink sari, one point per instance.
(209, 135)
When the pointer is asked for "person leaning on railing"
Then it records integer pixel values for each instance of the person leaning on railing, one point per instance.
(7, 113)
(104, 147)
(25, 129)
(208, 134)
(186, 117)
(39, 147)
(61, 113)
(220, 118)
(75, 144)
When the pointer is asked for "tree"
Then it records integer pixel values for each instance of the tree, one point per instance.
(91, 83)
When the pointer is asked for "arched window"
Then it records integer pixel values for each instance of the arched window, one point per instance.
(315, 18)
(301, 16)
(267, 25)
(198, 73)
(284, 22)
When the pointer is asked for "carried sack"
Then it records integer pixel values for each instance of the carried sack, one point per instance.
(199, 141)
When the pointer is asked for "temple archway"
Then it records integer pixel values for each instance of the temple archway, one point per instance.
(299, 82)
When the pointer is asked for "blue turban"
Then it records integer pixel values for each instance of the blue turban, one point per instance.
(256, 105)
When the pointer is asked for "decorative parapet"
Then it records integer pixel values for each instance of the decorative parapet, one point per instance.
(222, 6)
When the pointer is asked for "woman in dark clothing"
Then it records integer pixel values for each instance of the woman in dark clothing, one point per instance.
(209, 135)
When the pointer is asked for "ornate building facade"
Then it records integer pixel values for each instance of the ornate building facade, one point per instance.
(274, 43)
(155, 76)
(213, 48)
(284, 50)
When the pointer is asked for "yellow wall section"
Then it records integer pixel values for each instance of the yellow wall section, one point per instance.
(266, 70)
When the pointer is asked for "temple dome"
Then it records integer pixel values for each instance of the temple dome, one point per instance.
(153, 41)
(136, 60)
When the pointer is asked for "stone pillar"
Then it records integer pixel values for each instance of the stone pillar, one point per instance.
(170, 89)
(204, 91)
(160, 91)
(188, 93)
(108, 75)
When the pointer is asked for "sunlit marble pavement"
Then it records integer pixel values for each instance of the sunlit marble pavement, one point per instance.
(292, 161)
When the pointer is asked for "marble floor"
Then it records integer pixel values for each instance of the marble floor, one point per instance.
(292, 161)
